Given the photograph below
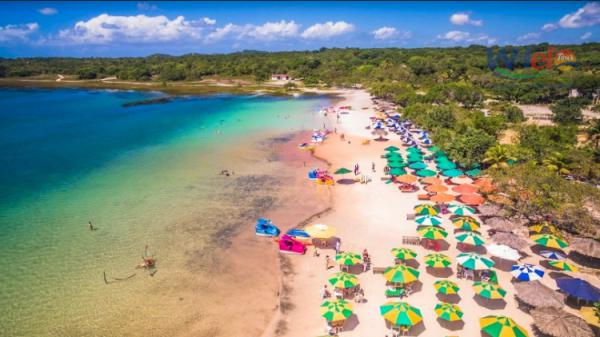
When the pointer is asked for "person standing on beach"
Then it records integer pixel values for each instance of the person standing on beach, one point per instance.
(373, 167)
(90, 225)
(356, 169)
(337, 246)
(328, 262)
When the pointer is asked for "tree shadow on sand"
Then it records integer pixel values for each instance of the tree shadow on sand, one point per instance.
(498, 304)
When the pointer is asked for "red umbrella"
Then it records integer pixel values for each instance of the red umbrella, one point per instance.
(465, 189)
(472, 199)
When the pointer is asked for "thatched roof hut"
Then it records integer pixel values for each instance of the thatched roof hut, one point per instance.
(558, 323)
(586, 246)
(489, 210)
(537, 295)
(510, 239)
(502, 224)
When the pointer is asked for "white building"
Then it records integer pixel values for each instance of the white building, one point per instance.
(280, 77)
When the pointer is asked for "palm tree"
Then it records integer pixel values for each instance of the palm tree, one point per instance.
(557, 162)
(594, 132)
(498, 157)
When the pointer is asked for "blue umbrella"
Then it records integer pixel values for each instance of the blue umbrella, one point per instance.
(527, 272)
(552, 255)
(579, 289)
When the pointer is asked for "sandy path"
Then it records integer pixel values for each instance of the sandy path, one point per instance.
(373, 216)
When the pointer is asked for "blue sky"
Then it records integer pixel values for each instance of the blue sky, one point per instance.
(105, 28)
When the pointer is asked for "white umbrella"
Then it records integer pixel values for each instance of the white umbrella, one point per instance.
(503, 252)
(461, 180)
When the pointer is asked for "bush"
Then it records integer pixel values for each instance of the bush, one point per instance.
(513, 114)
(567, 111)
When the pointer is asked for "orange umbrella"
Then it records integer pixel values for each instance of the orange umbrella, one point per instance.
(465, 189)
(407, 179)
(436, 188)
(431, 180)
(472, 199)
(442, 197)
(485, 185)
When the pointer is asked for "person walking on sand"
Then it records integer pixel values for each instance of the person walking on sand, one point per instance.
(356, 169)
(325, 292)
(328, 262)
(338, 245)
(373, 167)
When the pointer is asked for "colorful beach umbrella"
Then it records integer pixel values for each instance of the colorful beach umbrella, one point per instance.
(337, 310)
(342, 170)
(446, 165)
(452, 173)
(348, 258)
(414, 159)
(466, 222)
(426, 209)
(461, 209)
(320, 231)
(579, 289)
(426, 173)
(391, 155)
(470, 238)
(549, 240)
(391, 148)
(442, 198)
(473, 173)
(472, 199)
(418, 165)
(433, 149)
(448, 311)
(401, 274)
(544, 228)
(465, 189)
(396, 164)
(446, 287)
(397, 171)
(400, 313)
(526, 272)
(489, 290)
(436, 188)
(344, 280)
(474, 261)
(432, 233)
(404, 253)
(552, 255)
(407, 179)
(429, 220)
(432, 181)
(501, 326)
(563, 265)
(413, 149)
(437, 260)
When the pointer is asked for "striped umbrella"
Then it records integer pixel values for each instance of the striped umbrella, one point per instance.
(400, 313)
(470, 238)
(448, 311)
(343, 280)
(489, 290)
(461, 210)
(474, 261)
(429, 220)
(526, 272)
(549, 240)
(401, 274)
(426, 209)
(437, 260)
(446, 287)
(563, 265)
(466, 222)
(404, 253)
(501, 326)
(433, 233)
(544, 227)
(348, 258)
(552, 255)
(337, 310)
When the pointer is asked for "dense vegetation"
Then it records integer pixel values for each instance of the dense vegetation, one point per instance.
(451, 92)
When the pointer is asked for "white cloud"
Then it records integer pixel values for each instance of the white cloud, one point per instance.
(390, 33)
(48, 11)
(455, 35)
(549, 27)
(461, 19)
(269, 31)
(529, 37)
(17, 32)
(461, 37)
(586, 36)
(106, 28)
(144, 6)
(209, 21)
(588, 15)
(327, 30)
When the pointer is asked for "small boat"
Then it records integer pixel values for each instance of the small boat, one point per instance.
(299, 235)
(289, 245)
(264, 227)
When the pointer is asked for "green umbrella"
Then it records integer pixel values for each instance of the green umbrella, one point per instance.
(397, 171)
(391, 148)
(446, 165)
(426, 173)
(403, 253)
(414, 159)
(401, 274)
(473, 172)
(452, 173)
(342, 170)
(446, 287)
(396, 164)
(400, 313)
(434, 149)
(470, 238)
(348, 258)
(392, 155)
(438, 154)
(418, 165)
(429, 220)
(337, 310)
(448, 311)
(501, 326)
(413, 149)
(343, 280)
(474, 261)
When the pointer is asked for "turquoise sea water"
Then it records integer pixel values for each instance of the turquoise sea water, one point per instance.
(69, 156)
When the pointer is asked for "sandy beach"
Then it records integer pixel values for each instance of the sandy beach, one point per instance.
(374, 216)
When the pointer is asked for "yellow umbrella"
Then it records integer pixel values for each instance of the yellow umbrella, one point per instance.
(448, 311)
(544, 227)
(400, 313)
(320, 231)
(489, 290)
(563, 265)
(589, 315)
(550, 240)
(401, 274)
(432, 232)
(501, 326)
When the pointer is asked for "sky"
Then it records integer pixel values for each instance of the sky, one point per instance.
(129, 28)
